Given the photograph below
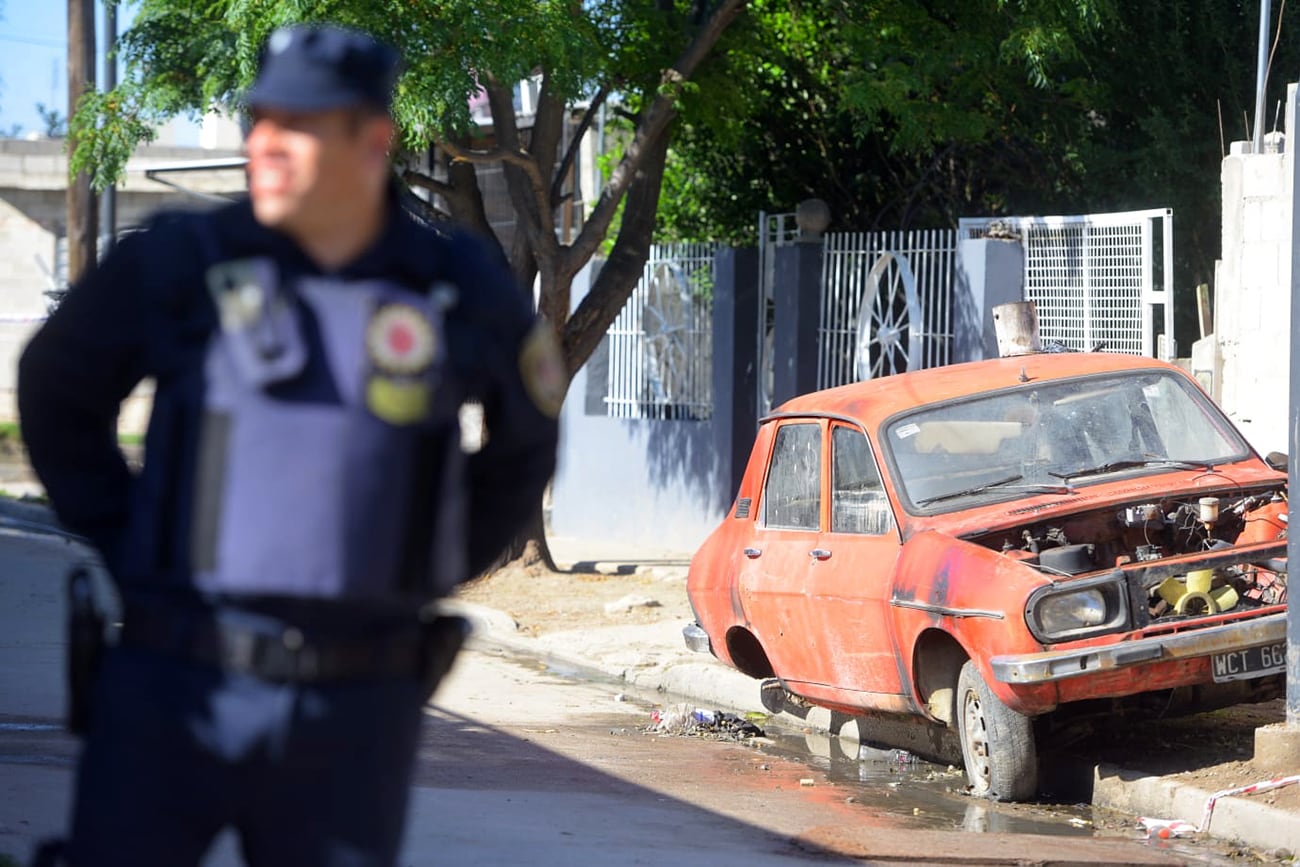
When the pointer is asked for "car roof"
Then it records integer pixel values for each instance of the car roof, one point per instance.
(872, 401)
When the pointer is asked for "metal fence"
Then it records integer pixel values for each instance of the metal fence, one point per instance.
(1097, 278)
(661, 344)
(886, 304)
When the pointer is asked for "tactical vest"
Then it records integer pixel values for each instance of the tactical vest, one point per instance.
(329, 443)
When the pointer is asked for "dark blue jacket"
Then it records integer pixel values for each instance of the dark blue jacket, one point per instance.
(145, 313)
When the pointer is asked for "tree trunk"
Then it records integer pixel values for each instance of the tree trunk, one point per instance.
(529, 548)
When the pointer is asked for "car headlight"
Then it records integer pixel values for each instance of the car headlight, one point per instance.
(1077, 609)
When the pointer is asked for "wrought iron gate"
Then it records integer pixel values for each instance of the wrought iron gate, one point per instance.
(886, 304)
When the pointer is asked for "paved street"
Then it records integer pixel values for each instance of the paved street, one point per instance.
(521, 764)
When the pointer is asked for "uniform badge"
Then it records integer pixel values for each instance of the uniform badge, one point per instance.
(542, 368)
(400, 340)
(398, 401)
(402, 345)
(243, 291)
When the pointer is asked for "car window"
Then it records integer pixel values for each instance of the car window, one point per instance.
(1001, 445)
(858, 503)
(792, 496)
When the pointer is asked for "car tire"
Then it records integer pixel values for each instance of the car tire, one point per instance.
(997, 744)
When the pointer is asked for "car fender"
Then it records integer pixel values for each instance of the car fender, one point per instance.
(976, 597)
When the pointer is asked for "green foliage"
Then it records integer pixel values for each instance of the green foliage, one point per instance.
(897, 113)
(183, 56)
(107, 127)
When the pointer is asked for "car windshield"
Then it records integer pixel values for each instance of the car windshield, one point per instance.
(1051, 437)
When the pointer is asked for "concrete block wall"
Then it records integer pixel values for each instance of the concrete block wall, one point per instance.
(33, 213)
(1252, 304)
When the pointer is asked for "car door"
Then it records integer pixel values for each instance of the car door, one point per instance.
(786, 532)
(847, 584)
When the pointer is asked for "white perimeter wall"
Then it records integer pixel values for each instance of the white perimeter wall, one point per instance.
(1252, 303)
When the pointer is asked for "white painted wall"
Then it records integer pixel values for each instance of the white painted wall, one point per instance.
(1252, 303)
(33, 215)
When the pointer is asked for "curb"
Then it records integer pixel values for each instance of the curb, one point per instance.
(1235, 818)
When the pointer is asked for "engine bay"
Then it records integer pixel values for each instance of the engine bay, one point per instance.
(1151, 531)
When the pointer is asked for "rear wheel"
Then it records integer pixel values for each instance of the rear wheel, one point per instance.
(997, 744)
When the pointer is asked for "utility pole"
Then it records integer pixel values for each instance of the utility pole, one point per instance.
(1261, 77)
(108, 204)
(83, 230)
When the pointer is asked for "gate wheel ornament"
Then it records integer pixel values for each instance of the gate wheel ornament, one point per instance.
(890, 321)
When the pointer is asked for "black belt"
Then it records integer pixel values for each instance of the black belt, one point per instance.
(289, 656)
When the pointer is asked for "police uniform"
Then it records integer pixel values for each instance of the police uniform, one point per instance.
(303, 497)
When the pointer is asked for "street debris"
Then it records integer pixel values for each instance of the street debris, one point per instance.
(682, 719)
(627, 603)
(1166, 828)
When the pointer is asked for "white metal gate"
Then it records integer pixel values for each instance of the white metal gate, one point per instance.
(660, 346)
(1097, 278)
(886, 304)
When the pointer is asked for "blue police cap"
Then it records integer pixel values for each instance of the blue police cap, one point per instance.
(312, 67)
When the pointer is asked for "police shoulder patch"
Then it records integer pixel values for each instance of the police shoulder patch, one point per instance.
(542, 368)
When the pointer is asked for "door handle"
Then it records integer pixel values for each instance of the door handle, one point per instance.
(753, 553)
(819, 554)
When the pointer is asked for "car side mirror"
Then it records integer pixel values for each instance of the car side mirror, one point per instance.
(1276, 460)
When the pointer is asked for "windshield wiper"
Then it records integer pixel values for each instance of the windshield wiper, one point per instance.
(997, 483)
(1132, 463)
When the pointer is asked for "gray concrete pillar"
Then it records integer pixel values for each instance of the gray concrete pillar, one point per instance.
(989, 272)
(797, 298)
(735, 362)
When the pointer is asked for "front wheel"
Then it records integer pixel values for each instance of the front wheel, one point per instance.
(997, 744)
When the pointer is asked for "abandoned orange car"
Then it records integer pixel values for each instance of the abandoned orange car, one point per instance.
(989, 546)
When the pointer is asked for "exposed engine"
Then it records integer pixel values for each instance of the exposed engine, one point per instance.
(1152, 531)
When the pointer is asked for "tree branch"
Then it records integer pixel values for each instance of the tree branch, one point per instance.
(497, 155)
(535, 222)
(426, 182)
(617, 278)
(575, 145)
(654, 122)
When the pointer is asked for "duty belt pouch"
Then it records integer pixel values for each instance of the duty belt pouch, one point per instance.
(85, 647)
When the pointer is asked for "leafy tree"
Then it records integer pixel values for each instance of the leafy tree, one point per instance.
(897, 113)
(915, 114)
(186, 57)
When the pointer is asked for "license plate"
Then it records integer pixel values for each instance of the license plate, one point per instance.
(1251, 662)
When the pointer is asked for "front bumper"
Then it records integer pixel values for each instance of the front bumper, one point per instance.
(696, 638)
(1056, 665)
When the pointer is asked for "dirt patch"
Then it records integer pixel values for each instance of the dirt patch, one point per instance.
(542, 601)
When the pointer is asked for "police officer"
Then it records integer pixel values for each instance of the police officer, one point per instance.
(303, 495)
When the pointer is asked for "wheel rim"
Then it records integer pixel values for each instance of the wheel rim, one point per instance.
(978, 766)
